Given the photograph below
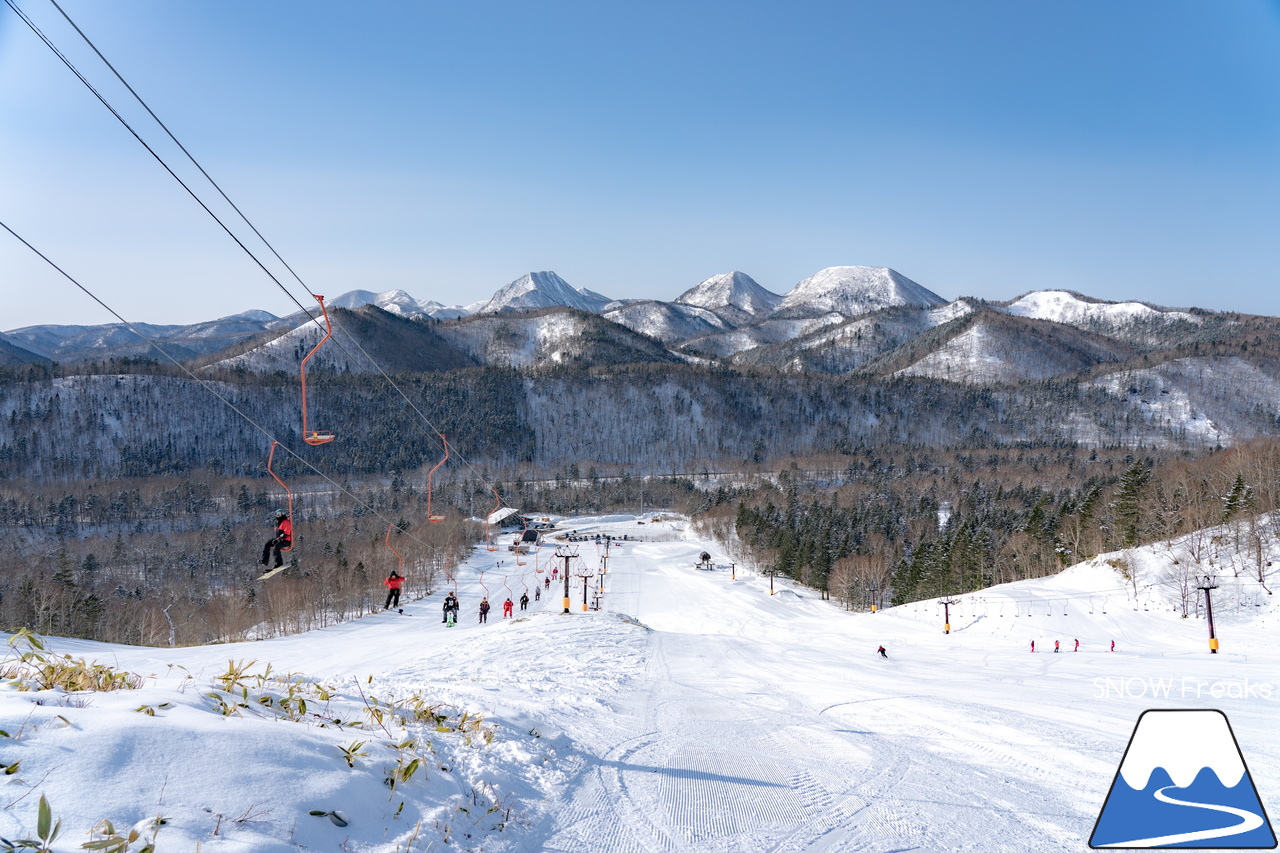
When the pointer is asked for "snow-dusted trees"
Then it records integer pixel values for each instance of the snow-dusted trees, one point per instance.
(161, 561)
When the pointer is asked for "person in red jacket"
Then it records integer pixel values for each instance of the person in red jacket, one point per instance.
(283, 539)
(393, 584)
(507, 607)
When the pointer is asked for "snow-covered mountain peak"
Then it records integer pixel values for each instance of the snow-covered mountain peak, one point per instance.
(541, 290)
(856, 290)
(395, 302)
(253, 316)
(1062, 306)
(731, 290)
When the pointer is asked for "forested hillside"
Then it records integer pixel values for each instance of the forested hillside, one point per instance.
(922, 524)
(670, 418)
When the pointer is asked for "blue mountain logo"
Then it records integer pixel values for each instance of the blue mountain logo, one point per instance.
(1183, 783)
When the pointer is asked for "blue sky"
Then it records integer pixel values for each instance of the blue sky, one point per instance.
(1124, 150)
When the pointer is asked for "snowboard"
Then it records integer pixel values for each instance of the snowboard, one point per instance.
(272, 573)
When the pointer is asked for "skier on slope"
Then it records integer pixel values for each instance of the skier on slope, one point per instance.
(282, 539)
(1033, 645)
(484, 610)
(507, 608)
(880, 651)
(1055, 647)
(524, 601)
(1077, 648)
(393, 584)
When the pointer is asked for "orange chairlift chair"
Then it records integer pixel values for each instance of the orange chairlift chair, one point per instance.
(489, 544)
(288, 494)
(316, 436)
(399, 556)
(430, 515)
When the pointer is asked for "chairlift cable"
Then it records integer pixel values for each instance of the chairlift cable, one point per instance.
(206, 384)
(32, 25)
(312, 318)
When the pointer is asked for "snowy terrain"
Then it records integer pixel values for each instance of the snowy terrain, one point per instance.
(854, 290)
(990, 352)
(539, 290)
(397, 302)
(669, 322)
(693, 712)
(1063, 307)
(734, 293)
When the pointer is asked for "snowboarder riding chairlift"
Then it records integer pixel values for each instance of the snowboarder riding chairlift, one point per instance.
(283, 539)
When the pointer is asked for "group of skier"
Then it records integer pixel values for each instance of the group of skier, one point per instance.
(1057, 646)
(508, 606)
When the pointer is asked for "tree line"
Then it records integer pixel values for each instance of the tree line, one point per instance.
(932, 524)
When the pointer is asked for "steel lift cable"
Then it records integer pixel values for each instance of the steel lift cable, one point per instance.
(208, 386)
(34, 28)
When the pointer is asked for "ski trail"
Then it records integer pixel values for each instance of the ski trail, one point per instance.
(714, 762)
(1248, 822)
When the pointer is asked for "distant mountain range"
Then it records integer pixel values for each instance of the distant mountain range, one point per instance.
(849, 360)
(869, 320)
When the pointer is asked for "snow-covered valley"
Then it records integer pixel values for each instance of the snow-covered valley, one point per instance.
(694, 711)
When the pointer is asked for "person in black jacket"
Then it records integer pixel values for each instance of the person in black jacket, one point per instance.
(484, 610)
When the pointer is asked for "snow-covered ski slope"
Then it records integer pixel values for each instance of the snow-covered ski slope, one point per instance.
(694, 712)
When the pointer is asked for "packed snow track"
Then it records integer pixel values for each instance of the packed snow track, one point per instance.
(695, 711)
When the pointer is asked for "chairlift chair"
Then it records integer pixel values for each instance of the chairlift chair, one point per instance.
(489, 544)
(399, 556)
(315, 436)
(288, 493)
(430, 515)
